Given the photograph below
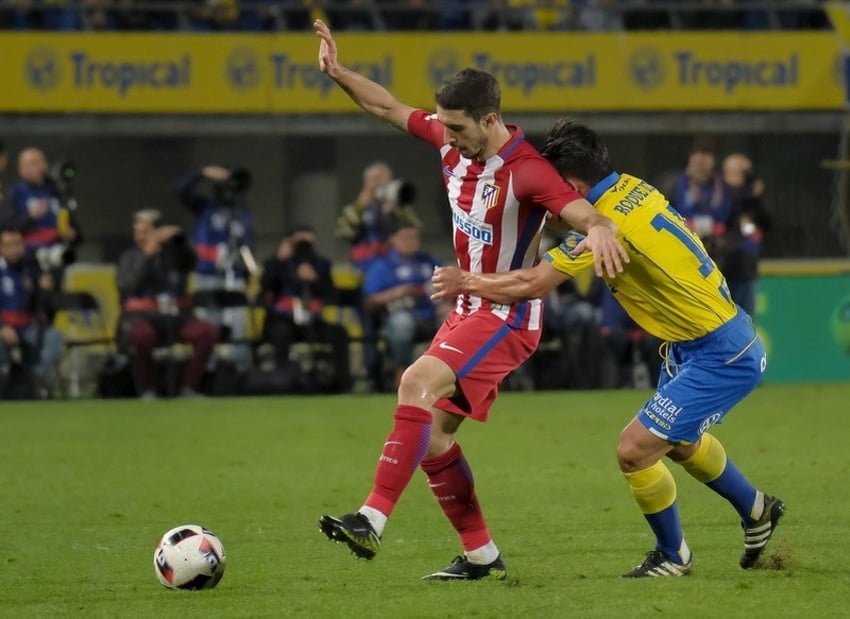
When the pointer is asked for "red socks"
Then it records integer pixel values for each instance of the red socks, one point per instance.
(403, 451)
(450, 479)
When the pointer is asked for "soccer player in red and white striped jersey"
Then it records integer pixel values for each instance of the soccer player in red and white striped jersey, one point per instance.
(499, 190)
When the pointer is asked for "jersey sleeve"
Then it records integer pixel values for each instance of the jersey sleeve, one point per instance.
(561, 259)
(425, 126)
(541, 184)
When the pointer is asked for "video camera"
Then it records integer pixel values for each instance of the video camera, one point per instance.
(400, 191)
(239, 180)
(61, 175)
(52, 257)
(226, 191)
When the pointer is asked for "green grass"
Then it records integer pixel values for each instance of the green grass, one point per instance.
(87, 488)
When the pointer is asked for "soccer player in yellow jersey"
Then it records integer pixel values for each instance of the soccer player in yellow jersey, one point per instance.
(673, 290)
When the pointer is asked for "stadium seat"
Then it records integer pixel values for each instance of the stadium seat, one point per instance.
(81, 319)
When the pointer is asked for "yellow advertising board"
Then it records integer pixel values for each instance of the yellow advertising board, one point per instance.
(539, 72)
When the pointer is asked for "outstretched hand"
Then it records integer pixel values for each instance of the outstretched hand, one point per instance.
(327, 47)
(609, 255)
(447, 283)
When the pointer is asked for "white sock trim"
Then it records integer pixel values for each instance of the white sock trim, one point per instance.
(758, 506)
(484, 555)
(377, 519)
(684, 552)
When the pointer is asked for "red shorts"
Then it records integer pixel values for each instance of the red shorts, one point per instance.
(481, 349)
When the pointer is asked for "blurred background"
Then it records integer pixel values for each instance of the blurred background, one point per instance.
(211, 116)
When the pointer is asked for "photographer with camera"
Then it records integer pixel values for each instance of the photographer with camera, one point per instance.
(155, 308)
(747, 224)
(26, 314)
(296, 286)
(42, 206)
(365, 222)
(224, 242)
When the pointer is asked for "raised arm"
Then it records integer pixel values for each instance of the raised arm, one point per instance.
(371, 96)
(507, 287)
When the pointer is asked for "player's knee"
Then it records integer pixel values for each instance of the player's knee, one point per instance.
(629, 456)
(414, 382)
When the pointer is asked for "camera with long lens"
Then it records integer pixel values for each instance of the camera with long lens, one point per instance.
(51, 257)
(236, 184)
(61, 177)
(399, 190)
(237, 250)
(239, 180)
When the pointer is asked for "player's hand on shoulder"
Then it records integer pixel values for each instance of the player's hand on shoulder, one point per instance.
(609, 255)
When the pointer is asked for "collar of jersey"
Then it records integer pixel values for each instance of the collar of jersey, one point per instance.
(517, 136)
(602, 186)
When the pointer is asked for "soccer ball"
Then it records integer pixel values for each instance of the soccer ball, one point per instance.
(189, 557)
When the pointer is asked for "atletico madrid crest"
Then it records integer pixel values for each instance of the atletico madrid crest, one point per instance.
(490, 195)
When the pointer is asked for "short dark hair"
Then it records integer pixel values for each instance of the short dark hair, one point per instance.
(474, 91)
(300, 227)
(396, 224)
(703, 144)
(577, 151)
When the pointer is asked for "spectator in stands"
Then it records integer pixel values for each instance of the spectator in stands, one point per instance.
(365, 224)
(713, 15)
(409, 15)
(21, 16)
(296, 287)
(135, 15)
(600, 15)
(646, 15)
(297, 16)
(635, 352)
(571, 317)
(151, 281)
(702, 197)
(350, 14)
(37, 205)
(396, 288)
(58, 15)
(26, 315)
(747, 224)
(453, 15)
(98, 15)
(224, 245)
(226, 15)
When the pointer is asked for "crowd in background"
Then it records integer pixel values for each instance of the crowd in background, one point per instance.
(295, 15)
(198, 287)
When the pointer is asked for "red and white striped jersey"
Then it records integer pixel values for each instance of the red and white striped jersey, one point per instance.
(498, 209)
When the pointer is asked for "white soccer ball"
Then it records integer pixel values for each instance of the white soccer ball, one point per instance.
(189, 557)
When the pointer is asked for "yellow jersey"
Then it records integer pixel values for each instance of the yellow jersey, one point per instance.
(670, 287)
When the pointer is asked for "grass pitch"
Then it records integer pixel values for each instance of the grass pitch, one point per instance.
(87, 488)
